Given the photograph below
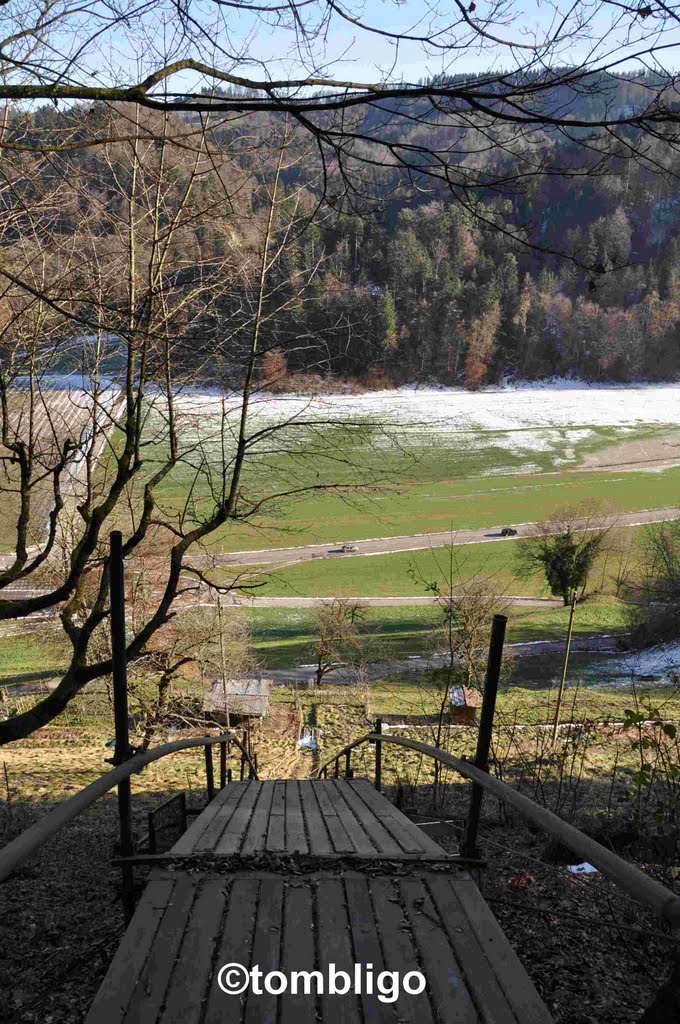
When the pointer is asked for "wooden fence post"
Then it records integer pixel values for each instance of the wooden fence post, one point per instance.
(122, 750)
(348, 765)
(378, 755)
(493, 671)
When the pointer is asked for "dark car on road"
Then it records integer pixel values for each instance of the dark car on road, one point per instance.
(508, 531)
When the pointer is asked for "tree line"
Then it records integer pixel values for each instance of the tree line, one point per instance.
(413, 287)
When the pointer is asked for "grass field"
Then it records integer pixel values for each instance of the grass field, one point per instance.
(473, 461)
(416, 506)
(284, 636)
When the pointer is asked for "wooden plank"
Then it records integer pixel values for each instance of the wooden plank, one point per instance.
(192, 972)
(234, 946)
(315, 826)
(201, 823)
(153, 982)
(231, 839)
(352, 826)
(528, 1006)
(276, 831)
(261, 1009)
(339, 838)
(409, 836)
(333, 946)
(256, 835)
(118, 986)
(398, 949)
(486, 992)
(296, 840)
(384, 843)
(446, 986)
(366, 946)
(221, 818)
(298, 951)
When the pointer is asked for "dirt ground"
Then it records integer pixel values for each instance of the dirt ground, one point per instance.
(655, 453)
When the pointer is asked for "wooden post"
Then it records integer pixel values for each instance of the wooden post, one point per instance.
(560, 692)
(493, 670)
(228, 774)
(209, 773)
(223, 764)
(122, 750)
(378, 755)
(348, 765)
(337, 768)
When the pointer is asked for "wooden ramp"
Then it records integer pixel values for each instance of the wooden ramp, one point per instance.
(367, 887)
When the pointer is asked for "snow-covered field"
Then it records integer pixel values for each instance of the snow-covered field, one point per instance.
(554, 418)
(523, 407)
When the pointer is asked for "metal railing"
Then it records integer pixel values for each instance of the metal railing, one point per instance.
(633, 881)
(21, 848)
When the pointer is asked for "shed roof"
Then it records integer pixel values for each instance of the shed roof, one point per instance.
(239, 696)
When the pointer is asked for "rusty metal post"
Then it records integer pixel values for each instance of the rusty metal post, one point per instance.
(493, 671)
(122, 750)
(378, 755)
(243, 754)
(209, 772)
(565, 666)
(223, 764)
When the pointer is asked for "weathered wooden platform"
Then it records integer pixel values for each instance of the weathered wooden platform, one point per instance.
(418, 913)
(325, 818)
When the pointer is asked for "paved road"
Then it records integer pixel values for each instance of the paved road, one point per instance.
(419, 541)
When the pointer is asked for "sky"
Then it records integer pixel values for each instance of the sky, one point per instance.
(243, 43)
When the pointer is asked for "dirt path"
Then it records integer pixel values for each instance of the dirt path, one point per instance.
(653, 454)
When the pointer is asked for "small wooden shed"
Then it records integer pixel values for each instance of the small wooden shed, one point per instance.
(236, 701)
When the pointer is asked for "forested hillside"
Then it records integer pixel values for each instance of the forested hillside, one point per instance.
(533, 275)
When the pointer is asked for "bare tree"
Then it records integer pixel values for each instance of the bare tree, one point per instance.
(482, 131)
(466, 606)
(651, 585)
(338, 640)
(113, 450)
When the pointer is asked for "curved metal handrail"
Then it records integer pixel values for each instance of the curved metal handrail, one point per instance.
(19, 849)
(345, 750)
(664, 902)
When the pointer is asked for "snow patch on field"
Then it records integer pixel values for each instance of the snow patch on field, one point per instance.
(551, 417)
(660, 663)
(554, 404)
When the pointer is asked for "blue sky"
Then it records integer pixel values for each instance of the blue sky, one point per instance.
(241, 43)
